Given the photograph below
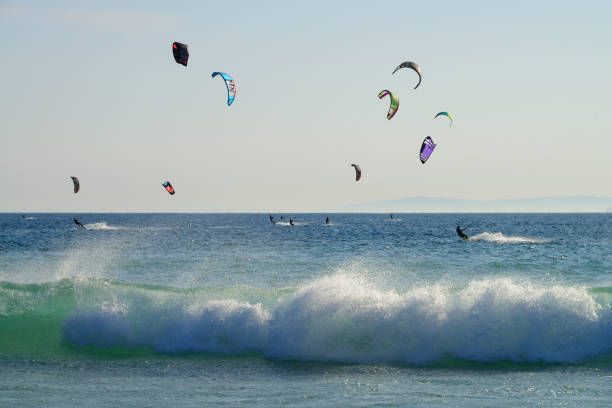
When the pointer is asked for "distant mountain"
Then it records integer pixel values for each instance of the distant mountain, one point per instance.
(430, 204)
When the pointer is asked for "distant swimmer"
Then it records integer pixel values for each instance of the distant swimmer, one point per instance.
(461, 233)
(272, 220)
(291, 221)
(77, 222)
(327, 220)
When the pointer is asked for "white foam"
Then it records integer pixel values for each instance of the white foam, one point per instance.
(295, 223)
(344, 318)
(219, 326)
(501, 238)
(102, 226)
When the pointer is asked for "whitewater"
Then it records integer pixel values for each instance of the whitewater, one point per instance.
(342, 318)
(228, 307)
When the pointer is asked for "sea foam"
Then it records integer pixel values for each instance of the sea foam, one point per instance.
(102, 226)
(343, 318)
(501, 238)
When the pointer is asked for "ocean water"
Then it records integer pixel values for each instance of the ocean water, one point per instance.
(197, 310)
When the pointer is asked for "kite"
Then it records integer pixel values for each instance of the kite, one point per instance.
(427, 148)
(180, 52)
(447, 115)
(357, 172)
(168, 187)
(230, 84)
(412, 65)
(394, 102)
(77, 185)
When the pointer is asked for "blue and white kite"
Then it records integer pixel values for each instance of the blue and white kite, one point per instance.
(230, 84)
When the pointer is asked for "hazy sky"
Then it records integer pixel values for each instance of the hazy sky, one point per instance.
(90, 89)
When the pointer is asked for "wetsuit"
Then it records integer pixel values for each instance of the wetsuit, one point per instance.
(272, 220)
(291, 221)
(461, 233)
(77, 222)
(327, 220)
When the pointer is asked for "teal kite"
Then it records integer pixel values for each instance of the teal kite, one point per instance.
(447, 115)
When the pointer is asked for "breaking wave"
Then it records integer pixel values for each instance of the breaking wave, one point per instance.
(339, 318)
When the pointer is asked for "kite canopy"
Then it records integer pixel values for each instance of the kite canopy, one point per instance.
(77, 185)
(447, 115)
(230, 84)
(357, 172)
(412, 65)
(168, 187)
(394, 102)
(180, 52)
(427, 148)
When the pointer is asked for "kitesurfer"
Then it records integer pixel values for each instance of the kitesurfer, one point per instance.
(461, 232)
(391, 215)
(326, 220)
(291, 222)
(77, 222)
(272, 220)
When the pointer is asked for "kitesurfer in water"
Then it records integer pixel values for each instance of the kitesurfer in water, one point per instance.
(326, 220)
(291, 222)
(461, 232)
(391, 215)
(77, 222)
(272, 220)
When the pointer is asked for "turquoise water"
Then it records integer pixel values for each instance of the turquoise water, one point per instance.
(226, 309)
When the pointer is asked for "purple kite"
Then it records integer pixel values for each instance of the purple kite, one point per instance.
(427, 149)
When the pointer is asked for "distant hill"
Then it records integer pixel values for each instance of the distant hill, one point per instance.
(430, 204)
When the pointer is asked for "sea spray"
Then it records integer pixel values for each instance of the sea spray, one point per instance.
(343, 318)
(338, 318)
(501, 238)
(219, 327)
(103, 226)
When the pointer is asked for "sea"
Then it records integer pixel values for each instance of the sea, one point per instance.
(203, 310)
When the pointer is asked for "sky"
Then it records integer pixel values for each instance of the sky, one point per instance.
(90, 89)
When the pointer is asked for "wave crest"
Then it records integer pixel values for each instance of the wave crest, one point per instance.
(219, 326)
(343, 318)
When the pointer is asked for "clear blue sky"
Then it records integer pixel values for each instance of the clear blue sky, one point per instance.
(90, 89)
